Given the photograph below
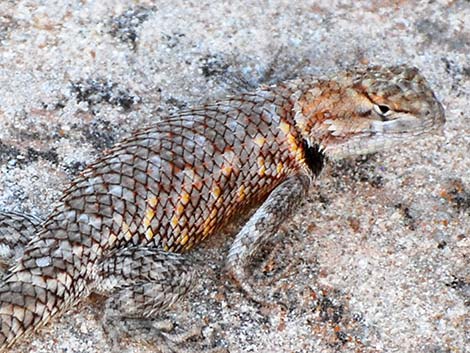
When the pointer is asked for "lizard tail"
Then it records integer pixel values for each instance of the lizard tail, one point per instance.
(25, 306)
(49, 278)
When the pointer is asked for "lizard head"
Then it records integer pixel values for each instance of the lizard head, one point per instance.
(363, 111)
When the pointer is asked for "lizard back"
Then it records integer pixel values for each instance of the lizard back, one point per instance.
(173, 184)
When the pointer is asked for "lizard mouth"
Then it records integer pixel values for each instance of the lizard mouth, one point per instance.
(378, 136)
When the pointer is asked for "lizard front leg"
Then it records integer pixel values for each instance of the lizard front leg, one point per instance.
(265, 222)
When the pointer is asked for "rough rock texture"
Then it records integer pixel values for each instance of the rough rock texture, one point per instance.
(377, 260)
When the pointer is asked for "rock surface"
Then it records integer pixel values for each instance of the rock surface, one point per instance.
(376, 260)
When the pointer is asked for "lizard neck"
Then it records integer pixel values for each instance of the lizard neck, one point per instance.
(314, 105)
(306, 151)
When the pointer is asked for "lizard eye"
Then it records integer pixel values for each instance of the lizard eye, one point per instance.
(382, 109)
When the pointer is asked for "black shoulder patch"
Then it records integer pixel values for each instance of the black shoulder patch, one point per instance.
(314, 159)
